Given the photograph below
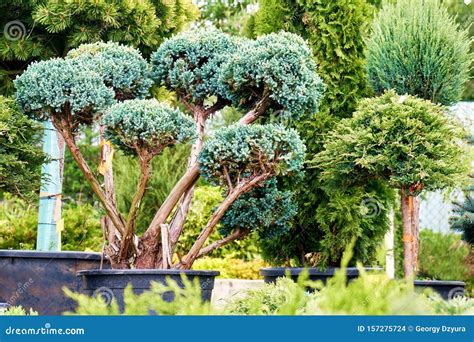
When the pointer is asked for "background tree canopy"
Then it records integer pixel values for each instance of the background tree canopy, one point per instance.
(40, 29)
(21, 155)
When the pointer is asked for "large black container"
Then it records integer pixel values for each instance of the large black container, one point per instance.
(271, 274)
(36, 279)
(446, 289)
(111, 283)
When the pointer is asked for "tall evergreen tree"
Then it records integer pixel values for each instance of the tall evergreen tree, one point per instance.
(328, 218)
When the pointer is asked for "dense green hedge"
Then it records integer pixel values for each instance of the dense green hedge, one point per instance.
(231, 268)
(19, 221)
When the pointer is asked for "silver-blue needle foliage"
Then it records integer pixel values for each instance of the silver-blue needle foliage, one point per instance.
(244, 150)
(281, 64)
(190, 62)
(122, 67)
(147, 124)
(58, 86)
(207, 63)
(265, 209)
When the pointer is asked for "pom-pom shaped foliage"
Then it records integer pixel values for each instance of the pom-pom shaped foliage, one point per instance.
(408, 141)
(239, 151)
(60, 87)
(189, 63)
(146, 125)
(121, 67)
(278, 65)
(418, 49)
(266, 209)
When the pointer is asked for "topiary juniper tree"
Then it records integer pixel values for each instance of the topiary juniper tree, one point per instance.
(408, 142)
(120, 68)
(124, 70)
(207, 72)
(74, 91)
(240, 158)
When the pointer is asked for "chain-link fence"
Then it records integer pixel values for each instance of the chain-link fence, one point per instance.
(437, 207)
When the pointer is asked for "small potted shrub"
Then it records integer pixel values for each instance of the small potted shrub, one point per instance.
(207, 70)
(410, 143)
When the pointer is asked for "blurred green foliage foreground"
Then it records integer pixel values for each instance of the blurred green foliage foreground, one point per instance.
(372, 294)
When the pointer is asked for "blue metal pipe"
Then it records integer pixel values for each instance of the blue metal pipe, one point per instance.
(50, 223)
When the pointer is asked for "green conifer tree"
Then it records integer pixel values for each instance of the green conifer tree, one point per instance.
(327, 218)
(40, 29)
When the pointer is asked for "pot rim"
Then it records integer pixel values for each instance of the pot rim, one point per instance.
(439, 283)
(279, 271)
(119, 272)
(27, 254)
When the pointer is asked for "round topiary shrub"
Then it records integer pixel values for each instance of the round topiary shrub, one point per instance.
(239, 152)
(146, 125)
(62, 89)
(121, 67)
(281, 67)
(407, 142)
(189, 63)
(416, 48)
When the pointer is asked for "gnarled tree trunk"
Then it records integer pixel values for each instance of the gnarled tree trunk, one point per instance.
(110, 232)
(179, 217)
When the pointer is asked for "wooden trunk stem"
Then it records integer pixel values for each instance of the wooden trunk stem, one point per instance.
(188, 179)
(415, 221)
(109, 188)
(258, 110)
(145, 171)
(179, 217)
(411, 230)
(109, 208)
(241, 188)
(237, 234)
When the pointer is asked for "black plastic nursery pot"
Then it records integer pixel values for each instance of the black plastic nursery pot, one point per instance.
(110, 284)
(271, 274)
(446, 289)
(36, 279)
